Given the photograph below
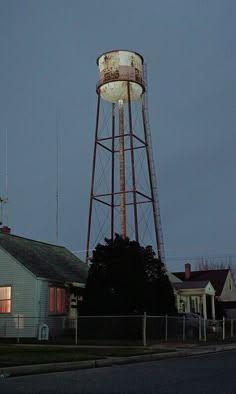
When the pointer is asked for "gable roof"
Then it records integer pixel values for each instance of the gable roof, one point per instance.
(216, 277)
(44, 260)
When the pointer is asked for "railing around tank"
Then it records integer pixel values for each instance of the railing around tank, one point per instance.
(114, 76)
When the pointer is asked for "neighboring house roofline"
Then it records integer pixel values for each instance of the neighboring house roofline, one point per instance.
(44, 260)
(192, 287)
(173, 278)
(216, 277)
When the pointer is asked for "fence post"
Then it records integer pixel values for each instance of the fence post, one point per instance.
(232, 328)
(204, 328)
(200, 328)
(144, 329)
(223, 336)
(166, 328)
(18, 328)
(76, 326)
(184, 328)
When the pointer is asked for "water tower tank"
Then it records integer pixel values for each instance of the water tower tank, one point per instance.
(115, 69)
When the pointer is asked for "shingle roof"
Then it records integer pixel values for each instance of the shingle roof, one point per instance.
(45, 260)
(216, 277)
(191, 285)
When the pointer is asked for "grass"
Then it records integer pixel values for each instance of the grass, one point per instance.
(12, 355)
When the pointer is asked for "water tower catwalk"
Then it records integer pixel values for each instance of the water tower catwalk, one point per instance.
(123, 196)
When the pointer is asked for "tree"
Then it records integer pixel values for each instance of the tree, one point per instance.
(126, 278)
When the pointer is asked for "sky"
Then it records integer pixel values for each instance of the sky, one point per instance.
(48, 76)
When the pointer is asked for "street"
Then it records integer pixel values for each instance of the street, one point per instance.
(213, 373)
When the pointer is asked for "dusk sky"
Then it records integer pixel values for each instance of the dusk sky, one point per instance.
(48, 76)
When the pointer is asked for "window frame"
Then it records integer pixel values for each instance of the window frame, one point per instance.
(2, 300)
(59, 307)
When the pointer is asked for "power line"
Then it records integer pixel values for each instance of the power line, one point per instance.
(183, 259)
(202, 257)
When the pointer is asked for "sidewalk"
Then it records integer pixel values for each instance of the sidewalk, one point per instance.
(180, 351)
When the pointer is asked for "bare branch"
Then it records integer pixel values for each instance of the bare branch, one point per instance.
(205, 264)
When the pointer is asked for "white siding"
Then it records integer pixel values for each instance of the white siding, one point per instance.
(229, 289)
(23, 297)
(43, 298)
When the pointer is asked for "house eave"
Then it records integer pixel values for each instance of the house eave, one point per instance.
(75, 284)
(66, 284)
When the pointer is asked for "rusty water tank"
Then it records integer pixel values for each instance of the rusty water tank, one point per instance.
(116, 68)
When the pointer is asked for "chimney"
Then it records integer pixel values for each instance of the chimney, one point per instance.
(5, 230)
(187, 271)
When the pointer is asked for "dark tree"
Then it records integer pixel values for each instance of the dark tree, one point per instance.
(126, 278)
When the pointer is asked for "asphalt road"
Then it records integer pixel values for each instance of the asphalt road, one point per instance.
(213, 373)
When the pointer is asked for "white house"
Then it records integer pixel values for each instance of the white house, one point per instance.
(198, 291)
(37, 282)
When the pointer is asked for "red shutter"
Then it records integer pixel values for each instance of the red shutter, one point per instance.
(52, 299)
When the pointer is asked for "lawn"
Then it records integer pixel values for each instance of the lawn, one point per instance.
(12, 355)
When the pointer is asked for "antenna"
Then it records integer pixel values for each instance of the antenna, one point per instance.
(6, 177)
(4, 200)
(1, 210)
(57, 178)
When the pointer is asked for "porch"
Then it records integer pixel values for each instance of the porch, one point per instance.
(195, 297)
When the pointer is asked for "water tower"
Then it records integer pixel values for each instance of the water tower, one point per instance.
(123, 196)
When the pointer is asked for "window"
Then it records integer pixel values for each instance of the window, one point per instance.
(52, 299)
(5, 299)
(57, 300)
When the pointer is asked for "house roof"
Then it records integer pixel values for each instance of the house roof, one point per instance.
(191, 285)
(216, 277)
(45, 260)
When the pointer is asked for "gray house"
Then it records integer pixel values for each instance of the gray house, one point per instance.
(37, 282)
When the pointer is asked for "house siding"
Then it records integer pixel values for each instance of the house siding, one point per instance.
(30, 268)
(21, 321)
(42, 298)
(228, 294)
(56, 322)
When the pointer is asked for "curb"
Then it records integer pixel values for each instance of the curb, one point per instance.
(108, 362)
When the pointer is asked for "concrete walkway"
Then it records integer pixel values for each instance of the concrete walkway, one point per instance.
(178, 351)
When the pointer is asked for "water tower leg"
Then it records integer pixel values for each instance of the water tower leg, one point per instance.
(132, 165)
(154, 206)
(112, 171)
(122, 170)
(92, 182)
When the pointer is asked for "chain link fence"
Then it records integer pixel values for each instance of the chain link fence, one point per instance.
(134, 330)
